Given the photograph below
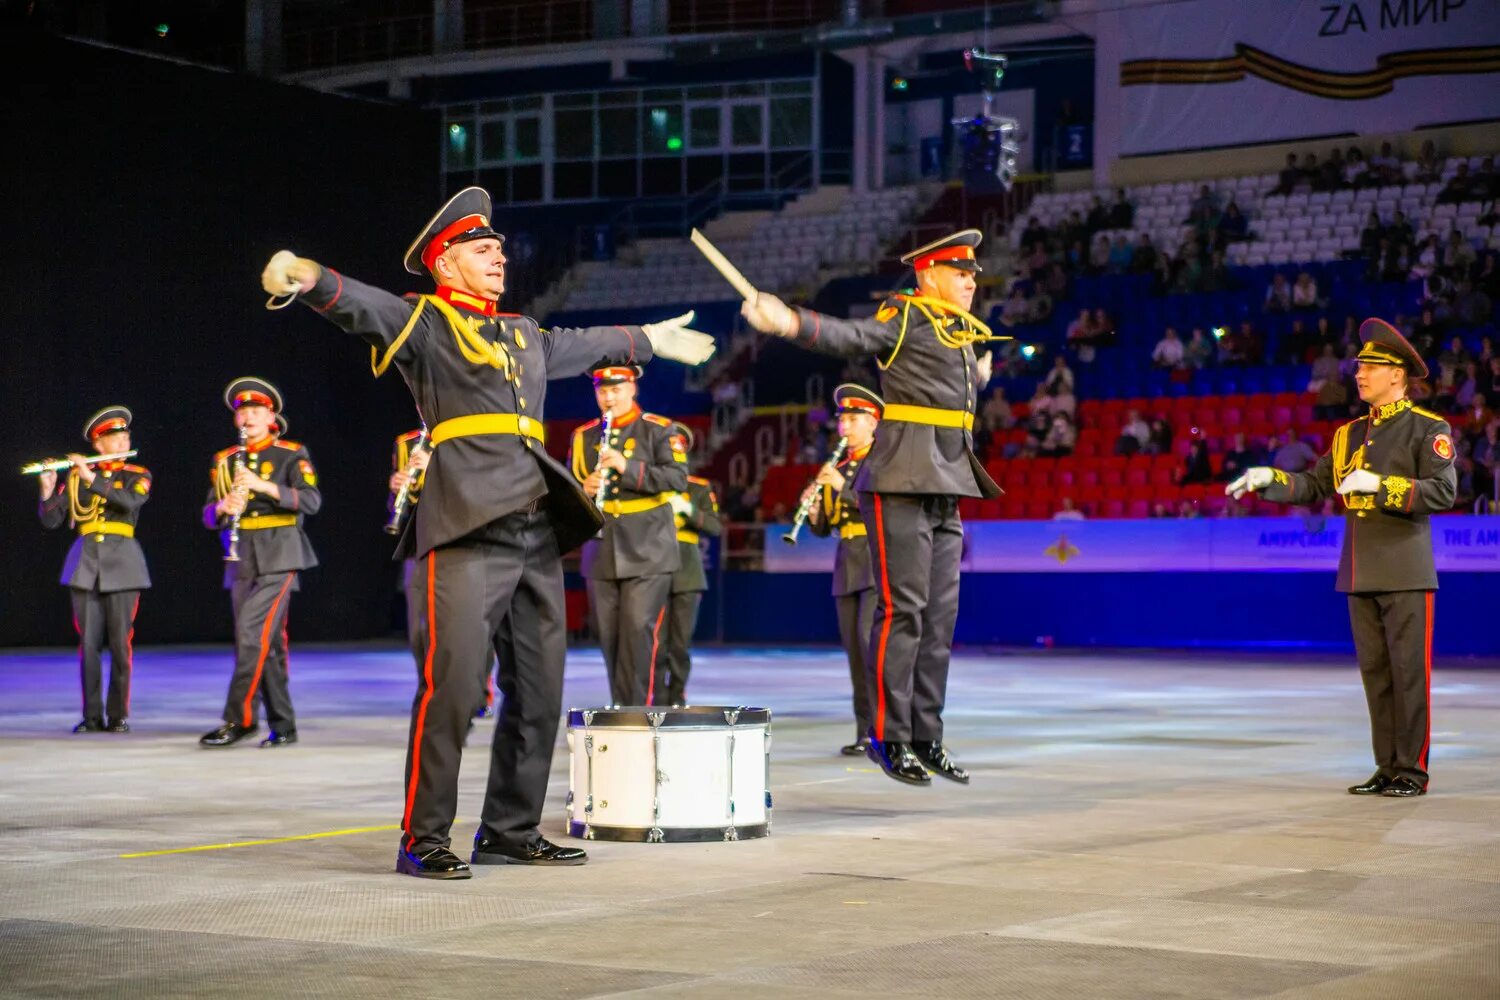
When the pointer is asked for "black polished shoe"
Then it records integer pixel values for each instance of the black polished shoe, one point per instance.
(227, 735)
(1404, 788)
(539, 851)
(934, 756)
(280, 739)
(1374, 785)
(118, 726)
(436, 863)
(856, 749)
(90, 726)
(897, 760)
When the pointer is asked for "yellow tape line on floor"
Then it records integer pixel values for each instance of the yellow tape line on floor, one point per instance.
(258, 843)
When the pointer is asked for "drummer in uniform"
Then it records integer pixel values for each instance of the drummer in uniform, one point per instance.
(633, 472)
(921, 465)
(105, 571)
(836, 510)
(1392, 469)
(696, 515)
(269, 484)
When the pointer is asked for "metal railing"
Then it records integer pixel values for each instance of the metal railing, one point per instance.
(546, 23)
(357, 42)
(701, 16)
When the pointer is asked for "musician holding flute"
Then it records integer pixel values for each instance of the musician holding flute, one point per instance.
(833, 508)
(635, 469)
(261, 490)
(101, 497)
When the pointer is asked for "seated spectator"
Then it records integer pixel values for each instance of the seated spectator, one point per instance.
(1206, 200)
(1187, 511)
(1067, 512)
(1233, 508)
(1487, 276)
(1385, 168)
(1278, 294)
(1331, 174)
(1429, 259)
(1160, 510)
(1017, 309)
(1135, 434)
(1099, 255)
(1296, 343)
(1239, 457)
(1195, 466)
(1059, 398)
(1458, 255)
(1120, 256)
(1400, 230)
(1104, 326)
(1200, 351)
(1296, 455)
(1490, 383)
(997, 414)
(1486, 183)
(1468, 387)
(1055, 284)
(1060, 376)
(1445, 388)
(1305, 292)
(1289, 176)
(1034, 233)
(1437, 292)
(1455, 354)
(1355, 167)
(1243, 347)
(1038, 420)
(1061, 437)
(1370, 237)
(1460, 187)
(1328, 386)
(1205, 224)
(1233, 226)
(1169, 351)
(1073, 230)
(1144, 259)
(1187, 270)
(1216, 276)
(1471, 307)
(1428, 333)
(1160, 441)
(1309, 171)
(1121, 213)
(1323, 334)
(1477, 412)
(1485, 458)
(1077, 257)
(1081, 330)
(1429, 166)
(1098, 217)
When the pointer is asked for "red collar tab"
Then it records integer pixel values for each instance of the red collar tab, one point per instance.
(255, 447)
(627, 418)
(444, 239)
(859, 453)
(464, 300)
(855, 404)
(252, 398)
(115, 466)
(618, 373)
(942, 256)
(107, 426)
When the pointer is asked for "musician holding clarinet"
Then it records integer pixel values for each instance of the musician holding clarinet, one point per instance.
(260, 492)
(832, 507)
(633, 464)
(105, 572)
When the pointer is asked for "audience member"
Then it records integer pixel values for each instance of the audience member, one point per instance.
(1169, 351)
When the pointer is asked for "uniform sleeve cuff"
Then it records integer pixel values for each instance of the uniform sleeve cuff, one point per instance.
(325, 291)
(809, 325)
(1395, 494)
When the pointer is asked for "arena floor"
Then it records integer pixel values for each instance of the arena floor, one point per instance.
(1137, 826)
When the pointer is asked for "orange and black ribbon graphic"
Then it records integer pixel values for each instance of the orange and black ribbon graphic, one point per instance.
(1250, 61)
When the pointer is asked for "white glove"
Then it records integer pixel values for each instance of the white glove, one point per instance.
(285, 274)
(1254, 479)
(674, 340)
(768, 314)
(986, 365)
(681, 504)
(1359, 481)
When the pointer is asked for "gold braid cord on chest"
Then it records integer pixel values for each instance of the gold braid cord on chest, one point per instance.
(471, 344)
(1344, 464)
(82, 513)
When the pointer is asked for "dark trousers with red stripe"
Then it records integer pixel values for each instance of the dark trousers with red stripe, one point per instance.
(629, 620)
(414, 584)
(856, 614)
(677, 658)
(260, 611)
(1393, 642)
(916, 542)
(97, 616)
(501, 593)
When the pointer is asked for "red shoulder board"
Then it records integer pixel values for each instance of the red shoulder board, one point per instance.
(589, 426)
(141, 469)
(658, 421)
(288, 445)
(699, 480)
(219, 456)
(509, 315)
(412, 296)
(409, 436)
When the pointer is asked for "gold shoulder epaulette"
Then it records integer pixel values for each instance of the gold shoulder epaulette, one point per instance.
(220, 456)
(588, 426)
(288, 445)
(1430, 415)
(699, 480)
(137, 468)
(658, 421)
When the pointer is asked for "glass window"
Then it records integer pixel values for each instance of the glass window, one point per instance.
(527, 103)
(661, 129)
(618, 129)
(746, 125)
(662, 94)
(791, 123)
(617, 178)
(494, 107)
(528, 138)
(703, 127)
(572, 180)
(573, 132)
(493, 144)
(746, 89)
(526, 183)
(458, 144)
(791, 87)
(631, 96)
(661, 176)
(572, 100)
(705, 93)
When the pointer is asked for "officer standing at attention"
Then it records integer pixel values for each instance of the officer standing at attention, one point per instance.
(260, 492)
(496, 516)
(633, 472)
(1393, 469)
(922, 463)
(837, 511)
(696, 515)
(105, 571)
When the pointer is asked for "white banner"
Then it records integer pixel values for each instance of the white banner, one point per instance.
(1461, 544)
(1207, 73)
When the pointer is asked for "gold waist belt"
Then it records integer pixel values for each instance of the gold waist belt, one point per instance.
(107, 528)
(932, 415)
(618, 507)
(253, 522)
(684, 535)
(487, 423)
(853, 530)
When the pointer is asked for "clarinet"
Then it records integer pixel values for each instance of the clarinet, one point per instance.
(603, 473)
(402, 500)
(232, 546)
(805, 507)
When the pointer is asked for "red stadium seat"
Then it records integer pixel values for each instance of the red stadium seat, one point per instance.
(1138, 508)
(1112, 508)
(1112, 478)
(1088, 477)
(1136, 476)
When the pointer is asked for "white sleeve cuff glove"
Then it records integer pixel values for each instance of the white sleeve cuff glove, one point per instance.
(768, 314)
(1254, 479)
(1360, 481)
(674, 340)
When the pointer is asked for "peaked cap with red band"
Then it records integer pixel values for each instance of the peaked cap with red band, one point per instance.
(615, 374)
(1384, 345)
(465, 217)
(106, 421)
(851, 398)
(956, 250)
(251, 391)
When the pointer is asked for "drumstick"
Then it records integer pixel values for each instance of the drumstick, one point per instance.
(721, 264)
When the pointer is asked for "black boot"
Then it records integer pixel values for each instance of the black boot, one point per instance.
(934, 756)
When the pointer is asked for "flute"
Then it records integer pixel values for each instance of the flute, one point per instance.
(59, 464)
(805, 507)
(603, 473)
(403, 495)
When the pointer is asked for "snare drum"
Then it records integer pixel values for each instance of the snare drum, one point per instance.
(670, 775)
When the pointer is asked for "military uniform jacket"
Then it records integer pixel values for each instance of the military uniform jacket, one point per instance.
(1387, 536)
(702, 520)
(283, 547)
(102, 555)
(639, 537)
(461, 358)
(852, 570)
(917, 369)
